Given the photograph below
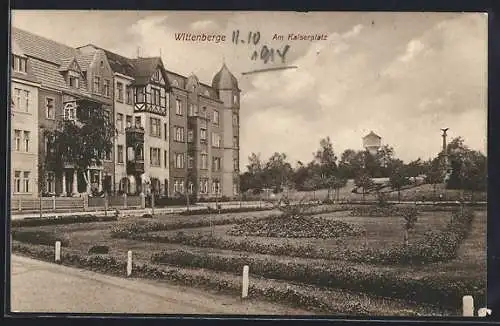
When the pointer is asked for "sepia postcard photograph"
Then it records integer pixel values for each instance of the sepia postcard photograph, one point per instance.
(248, 163)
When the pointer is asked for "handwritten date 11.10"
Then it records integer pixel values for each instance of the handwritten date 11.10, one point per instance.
(266, 53)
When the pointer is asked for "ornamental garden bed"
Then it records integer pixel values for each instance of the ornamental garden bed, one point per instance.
(365, 284)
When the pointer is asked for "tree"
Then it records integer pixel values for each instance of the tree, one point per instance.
(364, 182)
(254, 178)
(300, 175)
(384, 157)
(277, 171)
(82, 142)
(398, 179)
(435, 173)
(326, 163)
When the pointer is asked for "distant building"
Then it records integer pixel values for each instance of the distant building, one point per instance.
(372, 142)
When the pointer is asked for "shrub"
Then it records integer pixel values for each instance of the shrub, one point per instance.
(59, 220)
(101, 250)
(39, 237)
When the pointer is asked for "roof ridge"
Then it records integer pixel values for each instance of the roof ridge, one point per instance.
(45, 38)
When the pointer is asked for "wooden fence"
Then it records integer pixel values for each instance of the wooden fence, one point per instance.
(72, 204)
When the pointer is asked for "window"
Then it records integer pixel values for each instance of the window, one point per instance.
(128, 94)
(102, 64)
(119, 122)
(165, 160)
(179, 161)
(138, 122)
(49, 108)
(26, 181)
(204, 186)
(128, 121)
(17, 181)
(235, 119)
(190, 187)
(155, 127)
(235, 189)
(216, 117)
(216, 164)
(51, 182)
(119, 91)
(235, 141)
(74, 82)
(190, 162)
(17, 140)
(204, 161)
(216, 187)
(236, 164)
(190, 135)
(154, 156)
(69, 111)
(17, 98)
(140, 94)
(97, 84)
(139, 155)
(204, 112)
(179, 134)
(155, 96)
(193, 110)
(178, 107)
(26, 100)
(106, 87)
(203, 134)
(19, 64)
(26, 141)
(156, 76)
(235, 99)
(165, 131)
(216, 140)
(119, 154)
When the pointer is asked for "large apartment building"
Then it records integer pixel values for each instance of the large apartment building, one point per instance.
(175, 135)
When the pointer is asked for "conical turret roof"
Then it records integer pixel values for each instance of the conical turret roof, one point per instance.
(224, 79)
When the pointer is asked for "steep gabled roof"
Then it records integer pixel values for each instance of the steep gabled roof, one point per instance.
(372, 134)
(42, 48)
(120, 64)
(145, 68)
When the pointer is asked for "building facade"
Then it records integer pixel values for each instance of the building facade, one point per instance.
(372, 142)
(174, 134)
(24, 126)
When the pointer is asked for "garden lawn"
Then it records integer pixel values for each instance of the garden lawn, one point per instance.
(381, 232)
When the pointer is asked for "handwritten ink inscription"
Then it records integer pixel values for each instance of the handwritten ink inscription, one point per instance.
(265, 53)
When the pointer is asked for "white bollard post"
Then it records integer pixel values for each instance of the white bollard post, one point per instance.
(54, 203)
(468, 306)
(483, 312)
(129, 263)
(58, 251)
(244, 292)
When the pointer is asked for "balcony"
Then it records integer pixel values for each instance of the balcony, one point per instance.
(135, 167)
(134, 135)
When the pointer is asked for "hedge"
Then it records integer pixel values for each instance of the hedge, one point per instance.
(38, 237)
(298, 296)
(445, 292)
(59, 220)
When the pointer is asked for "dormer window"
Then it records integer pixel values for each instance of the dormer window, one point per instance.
(73, 79)
(19, 64)
(102, 64)
(156, 76)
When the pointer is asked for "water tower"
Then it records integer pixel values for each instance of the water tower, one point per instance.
(372, 142)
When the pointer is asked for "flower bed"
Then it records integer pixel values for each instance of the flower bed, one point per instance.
(59, 220)
(443, 291)
(226, 210)
(136, 228)
(378, 211)
(296, 227)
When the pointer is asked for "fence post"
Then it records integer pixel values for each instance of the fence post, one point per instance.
(468, 306)
(143, 200)
(244, 291)
(58, 251)
(54, 203)
(125, 200)
(85, 201)
(41, 208)
(129, 263)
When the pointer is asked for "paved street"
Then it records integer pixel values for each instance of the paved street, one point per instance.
(43, 287)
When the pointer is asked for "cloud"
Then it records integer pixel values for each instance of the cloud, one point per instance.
(414, 48)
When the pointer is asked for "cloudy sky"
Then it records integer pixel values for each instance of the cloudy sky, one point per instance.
(402, 75)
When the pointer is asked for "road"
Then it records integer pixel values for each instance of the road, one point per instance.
(42, 287)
